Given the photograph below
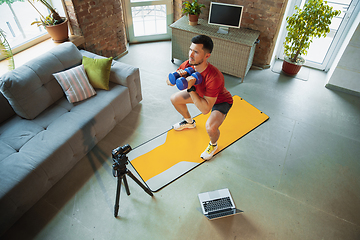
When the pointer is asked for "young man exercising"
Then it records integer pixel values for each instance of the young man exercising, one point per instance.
(209, 95)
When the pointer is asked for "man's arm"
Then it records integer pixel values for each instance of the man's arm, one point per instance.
(203, 104)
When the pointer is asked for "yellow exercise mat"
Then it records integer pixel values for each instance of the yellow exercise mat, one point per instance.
(170, 155)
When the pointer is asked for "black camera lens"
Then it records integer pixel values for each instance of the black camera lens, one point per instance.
(121, 150)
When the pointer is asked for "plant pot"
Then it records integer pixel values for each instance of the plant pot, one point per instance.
(291, 68)
(193, 19)
(59, 33)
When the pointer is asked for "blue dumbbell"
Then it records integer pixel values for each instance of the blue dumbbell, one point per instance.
(175, 75)
(182, 83)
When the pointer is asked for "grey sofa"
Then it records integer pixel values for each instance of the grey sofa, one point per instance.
(39, 148)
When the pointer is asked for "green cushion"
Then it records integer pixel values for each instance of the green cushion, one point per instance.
(98, 71)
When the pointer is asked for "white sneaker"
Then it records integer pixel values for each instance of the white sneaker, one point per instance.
(184, 125)
(209, 152)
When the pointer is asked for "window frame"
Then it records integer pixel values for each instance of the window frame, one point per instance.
(59, 5)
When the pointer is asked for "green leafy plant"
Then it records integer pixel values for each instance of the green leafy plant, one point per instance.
(52, 19)
(5, 50)
(192, 8)
(305, 24)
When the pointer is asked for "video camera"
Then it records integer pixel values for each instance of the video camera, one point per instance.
(119, 156)
(120, 171)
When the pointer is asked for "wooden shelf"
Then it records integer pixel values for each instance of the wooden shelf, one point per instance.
(35, 51)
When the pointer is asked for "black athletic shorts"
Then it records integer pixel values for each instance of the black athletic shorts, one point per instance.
(222, 107)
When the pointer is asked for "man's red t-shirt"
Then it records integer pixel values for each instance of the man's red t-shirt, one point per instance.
(212, 85)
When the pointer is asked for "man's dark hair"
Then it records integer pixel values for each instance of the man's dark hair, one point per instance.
(205, 41)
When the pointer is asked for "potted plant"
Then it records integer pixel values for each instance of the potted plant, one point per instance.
(193, 9)
(305, 24)
(55, 25)
(5, 50)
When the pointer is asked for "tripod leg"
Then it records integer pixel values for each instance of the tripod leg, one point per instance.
(147, 190)
(126, 185)
(116, 207)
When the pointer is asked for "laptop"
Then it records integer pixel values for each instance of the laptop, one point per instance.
(217, 204)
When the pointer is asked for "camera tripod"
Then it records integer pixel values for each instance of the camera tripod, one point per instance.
(120, 171)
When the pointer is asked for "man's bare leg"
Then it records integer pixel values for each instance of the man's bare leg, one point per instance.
(212, 127)
(179, 100)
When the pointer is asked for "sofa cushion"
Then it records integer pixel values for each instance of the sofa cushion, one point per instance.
(75, 84)
(31, 88)
(98, 71)
(6, 110)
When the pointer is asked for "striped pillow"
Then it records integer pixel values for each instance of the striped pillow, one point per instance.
(75, 84)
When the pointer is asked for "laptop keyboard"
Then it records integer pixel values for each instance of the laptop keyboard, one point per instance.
(221, 214)
(217, 204)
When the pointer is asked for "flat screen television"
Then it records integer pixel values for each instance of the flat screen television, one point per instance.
(225, 16)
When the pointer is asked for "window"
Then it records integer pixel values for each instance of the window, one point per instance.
(16, 19)
(148, 20)
(323, 51)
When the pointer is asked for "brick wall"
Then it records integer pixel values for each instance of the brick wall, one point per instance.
(262, 15)
(177, 9)
(101, 23)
